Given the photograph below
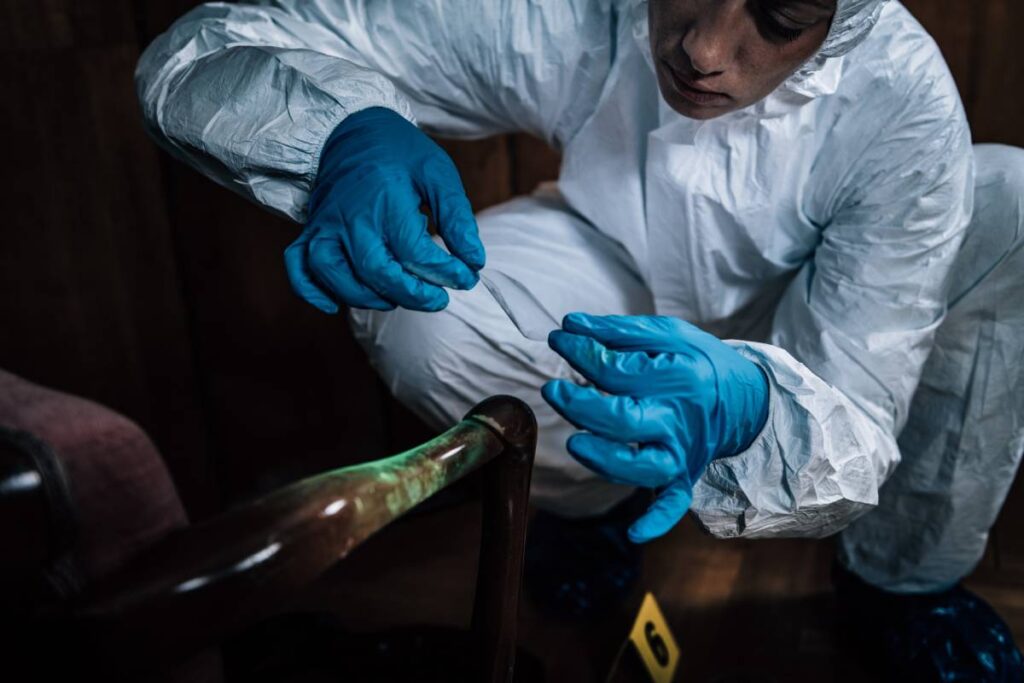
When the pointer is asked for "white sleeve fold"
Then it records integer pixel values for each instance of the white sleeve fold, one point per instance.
(238, 93)
(248, 93)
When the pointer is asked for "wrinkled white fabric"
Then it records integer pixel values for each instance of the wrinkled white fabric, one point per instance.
(852, 23)
(817, 227)
(965, 434)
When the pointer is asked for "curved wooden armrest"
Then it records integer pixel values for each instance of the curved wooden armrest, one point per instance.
(206, 581)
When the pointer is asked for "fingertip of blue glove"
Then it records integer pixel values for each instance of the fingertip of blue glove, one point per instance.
(558, 393)
(322, 304)
(477, 258)
(328, 308)
(317, 300)
(577, 446)
(671, 506)
(650, 526)
(637, 534)
(557, 341)
(587, 449)
(550, 391)
(436, 303)
(471, 249)
(469, 279)
(576, 322)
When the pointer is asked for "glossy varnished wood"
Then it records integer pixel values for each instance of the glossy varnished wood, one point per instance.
(503, 535)
(208, 581)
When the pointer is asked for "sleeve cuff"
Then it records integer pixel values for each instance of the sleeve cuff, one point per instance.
(395, 103)
(806, 474)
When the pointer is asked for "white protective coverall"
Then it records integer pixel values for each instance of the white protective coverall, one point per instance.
(822, 229)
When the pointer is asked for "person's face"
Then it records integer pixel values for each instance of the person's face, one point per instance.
(717, 56)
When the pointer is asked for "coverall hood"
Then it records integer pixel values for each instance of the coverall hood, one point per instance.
(852, 23)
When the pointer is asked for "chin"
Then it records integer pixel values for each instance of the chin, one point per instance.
(693, 111)
(686, 107)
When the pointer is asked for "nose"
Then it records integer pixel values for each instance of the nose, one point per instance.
(712, 39)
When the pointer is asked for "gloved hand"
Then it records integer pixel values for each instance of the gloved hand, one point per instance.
(667, 399)
(366, 242)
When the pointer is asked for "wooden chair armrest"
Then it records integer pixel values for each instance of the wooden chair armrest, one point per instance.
(207, 581)
(503, 536)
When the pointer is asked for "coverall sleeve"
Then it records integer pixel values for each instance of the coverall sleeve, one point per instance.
(851, 334)
(248, 93)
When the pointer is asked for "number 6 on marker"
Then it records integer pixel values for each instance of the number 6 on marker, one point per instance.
(654, 642)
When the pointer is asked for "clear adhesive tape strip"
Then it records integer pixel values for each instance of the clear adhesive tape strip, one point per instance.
(528, 315)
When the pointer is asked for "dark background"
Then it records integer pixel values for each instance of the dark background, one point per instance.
(127, 278)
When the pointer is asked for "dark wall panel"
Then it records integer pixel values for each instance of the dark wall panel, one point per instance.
(89, 289)
(286, 390)
(997, 94)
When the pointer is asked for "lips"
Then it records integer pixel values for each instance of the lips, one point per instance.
(689, 90)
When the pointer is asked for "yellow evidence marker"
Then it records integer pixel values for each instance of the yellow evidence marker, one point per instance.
(654, 642)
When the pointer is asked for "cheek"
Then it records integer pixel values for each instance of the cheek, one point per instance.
(768, 65)
(666, 22)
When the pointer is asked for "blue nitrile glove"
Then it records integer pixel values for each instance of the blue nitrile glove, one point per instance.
(366, 242)
(667, 399)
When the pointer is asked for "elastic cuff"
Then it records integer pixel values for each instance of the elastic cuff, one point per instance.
(336, 120)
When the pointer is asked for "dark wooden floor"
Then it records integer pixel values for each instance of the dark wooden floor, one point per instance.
(763, 608)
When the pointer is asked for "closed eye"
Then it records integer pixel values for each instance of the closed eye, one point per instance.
(778, 22)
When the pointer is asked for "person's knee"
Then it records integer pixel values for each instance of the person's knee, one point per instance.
(417, 357)
(1000, 164)
(999, 195)
(994, 243)
(440, 364)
